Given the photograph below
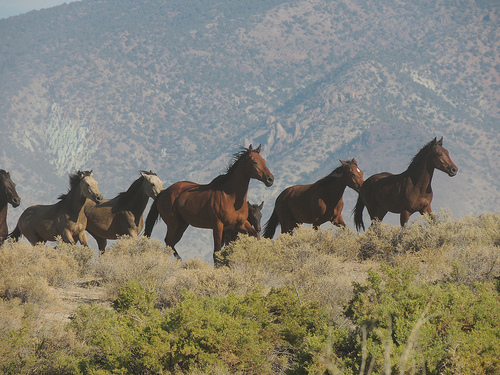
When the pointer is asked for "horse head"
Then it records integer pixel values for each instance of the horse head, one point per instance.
(8, 191)
(89, 186)
(152, 184)
(256, 167)
(255, 215)
(440, 158)
(352, 174)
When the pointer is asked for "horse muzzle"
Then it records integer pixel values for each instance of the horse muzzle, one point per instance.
(269, 181)
(452, 171)
(15, 201)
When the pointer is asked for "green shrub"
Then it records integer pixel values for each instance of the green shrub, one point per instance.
(440, 328)
(249, 334)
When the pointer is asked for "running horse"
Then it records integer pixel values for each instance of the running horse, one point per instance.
(315, 203)
(8, 194)
(407, 192)
(122, 215)
(219, 205)
(254, 218)
(66, 218)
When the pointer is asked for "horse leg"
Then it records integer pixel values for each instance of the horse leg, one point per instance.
(175, 230)
(427, 210)
(248, 229)
(101, 243)
(68, 237)
(217, 232)
(82, 237)
(376, 213)
(30, 234)
(338, 221)
(404, 217)
(288, 224)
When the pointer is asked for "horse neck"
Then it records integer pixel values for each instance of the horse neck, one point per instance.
(421, 174)
(137, 203)
(75, 200)
(237, 186)
(333, 189)
(3, 212)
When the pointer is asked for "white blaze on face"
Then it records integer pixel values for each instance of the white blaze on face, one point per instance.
(358, 170)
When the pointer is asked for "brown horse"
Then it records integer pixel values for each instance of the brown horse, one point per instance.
(66, 218)
(315, 203)
(8, 194)
(407, 192)
(220, 205)
(254, 218)
(122, 215)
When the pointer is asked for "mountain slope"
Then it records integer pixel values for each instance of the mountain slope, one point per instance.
(177, 86)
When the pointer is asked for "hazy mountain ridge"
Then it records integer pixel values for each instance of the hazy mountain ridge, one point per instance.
(177, 86)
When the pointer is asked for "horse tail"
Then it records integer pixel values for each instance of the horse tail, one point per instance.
(152, 217)
(270, 227)
(15, 234)
(358, 214)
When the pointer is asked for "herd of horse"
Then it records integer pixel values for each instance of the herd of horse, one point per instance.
(222, 205)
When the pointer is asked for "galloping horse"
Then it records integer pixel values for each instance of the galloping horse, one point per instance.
(407, 192)
(220, 205)
(254, 218)
(66, 218)
(315, 203)
(122, 215)
(8, 194)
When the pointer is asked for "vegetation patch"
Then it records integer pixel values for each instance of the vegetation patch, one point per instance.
(420, 299)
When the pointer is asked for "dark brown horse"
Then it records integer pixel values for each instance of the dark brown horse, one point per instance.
(315, 203)
(407, 192)
(8, 194)
(254, 218)
(220, 205)
(66, 218)
(122, 215)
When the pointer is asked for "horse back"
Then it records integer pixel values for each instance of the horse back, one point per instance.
(202, 206)
(306, 203)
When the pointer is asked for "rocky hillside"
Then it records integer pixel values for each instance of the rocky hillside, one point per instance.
(177, 86)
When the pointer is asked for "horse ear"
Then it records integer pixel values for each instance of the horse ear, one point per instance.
(250, 149)
(440, 142)
(343, 162)
(91, 173)
(354, 161)
(257, 150)
(261, 205)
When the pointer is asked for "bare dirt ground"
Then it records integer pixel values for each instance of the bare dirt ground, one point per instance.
(67, 299)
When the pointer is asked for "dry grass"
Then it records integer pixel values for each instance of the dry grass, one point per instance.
(40, 285)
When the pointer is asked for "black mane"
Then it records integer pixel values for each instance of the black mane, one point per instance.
(421, 154)
(3, 174)
(125, 196)
(337, 172)
(74, 181)
(237, 157)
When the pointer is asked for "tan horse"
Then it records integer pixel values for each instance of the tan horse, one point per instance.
(220, 205)
(8, 194)
(315, 203)
(122, 215)
(66, 218)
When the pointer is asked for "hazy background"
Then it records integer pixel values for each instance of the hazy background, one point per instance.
(177, 86)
